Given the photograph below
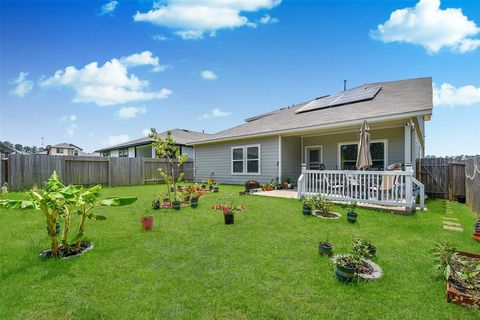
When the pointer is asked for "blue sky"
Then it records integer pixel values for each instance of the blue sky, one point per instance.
(246, 58)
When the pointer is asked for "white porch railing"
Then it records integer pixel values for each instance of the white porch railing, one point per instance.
(386, 188)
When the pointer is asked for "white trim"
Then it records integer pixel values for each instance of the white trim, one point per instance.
(306, 129)
(385, 155)
(279, 159)
(301, 152)
(307, 158)
(245, 173)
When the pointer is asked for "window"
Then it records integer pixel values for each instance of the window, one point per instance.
(59, 150)
(246, 160)
(123, 153)
(348, 155)
(106, 154)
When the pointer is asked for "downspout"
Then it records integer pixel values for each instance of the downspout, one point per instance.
(279, 159)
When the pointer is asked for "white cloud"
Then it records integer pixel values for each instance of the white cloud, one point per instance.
(160, 37)
(214, 114)
(267, 19)
(71, 124)
(208, 75)
(448, 95)
(431, 27)
(110, 83)
(130, 112)
(22, 85)
(145, 58)
(109, 7)
(190, 34)
(68, 118)
(192, 18)
(113, 140)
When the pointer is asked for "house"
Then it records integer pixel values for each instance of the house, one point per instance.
(142, 147)
(64, 149)
(322, 133)
(5, 150)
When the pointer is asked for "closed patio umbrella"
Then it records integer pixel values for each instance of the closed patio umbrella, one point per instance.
(364, 158)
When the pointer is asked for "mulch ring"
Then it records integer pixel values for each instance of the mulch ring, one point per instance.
(63, 253)
(328, 216)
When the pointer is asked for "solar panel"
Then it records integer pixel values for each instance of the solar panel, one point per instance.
(349, 96)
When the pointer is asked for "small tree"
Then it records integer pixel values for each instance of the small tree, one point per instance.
(167, 149)
(51, 201)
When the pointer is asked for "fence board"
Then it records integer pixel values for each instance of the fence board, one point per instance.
(25, 171)
(447, 178)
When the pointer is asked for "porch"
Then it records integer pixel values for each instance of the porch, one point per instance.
(383, 188)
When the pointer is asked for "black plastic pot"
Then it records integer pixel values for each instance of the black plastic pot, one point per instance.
(176, 205)
(194, 203)
(215, 189)
(155, 204)
(345, 274)
(229, 218)
(372, 250)
(325, 248)
(307, 211)
(352, 217)
(461, 199)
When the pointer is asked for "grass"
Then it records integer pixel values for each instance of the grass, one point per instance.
(192, 266)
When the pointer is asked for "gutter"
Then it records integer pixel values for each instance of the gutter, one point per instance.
(315, 127)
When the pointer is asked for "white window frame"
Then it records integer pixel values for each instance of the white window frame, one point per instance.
(339, 151)
(123, 156)
(244, 172)
(306, 157)
(59, 150)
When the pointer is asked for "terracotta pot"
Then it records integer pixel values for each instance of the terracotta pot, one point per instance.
(147, 223)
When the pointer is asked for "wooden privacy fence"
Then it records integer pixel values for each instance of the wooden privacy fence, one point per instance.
(448, 178)
(25, 171)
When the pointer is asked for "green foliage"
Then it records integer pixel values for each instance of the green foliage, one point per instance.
(57, 200)
(309, 202)
(323, 205)
(167, 149)
(442, 254)
(363, 248)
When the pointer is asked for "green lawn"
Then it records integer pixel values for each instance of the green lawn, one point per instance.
(192, 266)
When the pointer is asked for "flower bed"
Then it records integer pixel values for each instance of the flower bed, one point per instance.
(463, 285)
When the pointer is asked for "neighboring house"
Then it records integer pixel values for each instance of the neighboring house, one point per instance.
(5, 150)
(321, 132)
(64, 149)
(142, 148)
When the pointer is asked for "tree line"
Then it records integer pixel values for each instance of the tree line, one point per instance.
(26, 149)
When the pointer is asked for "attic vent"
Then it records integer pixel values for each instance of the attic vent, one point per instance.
(345, 97)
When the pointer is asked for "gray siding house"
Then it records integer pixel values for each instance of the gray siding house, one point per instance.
(322, 133)
(142, 147)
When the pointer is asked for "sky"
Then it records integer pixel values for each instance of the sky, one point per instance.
(98, 73)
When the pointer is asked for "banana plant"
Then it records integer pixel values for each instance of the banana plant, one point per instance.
(52, 201)
(86, 200)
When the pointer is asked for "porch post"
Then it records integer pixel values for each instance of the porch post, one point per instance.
(408, 143)
(408, 183)
(279, 159)
(301, 182)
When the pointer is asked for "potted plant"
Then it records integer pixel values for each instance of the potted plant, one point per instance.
(325, 248)
(324, 209)
(229, 211)
(364, 248)
(308, 205)
(346, 267)
(147, 222)
(177, 202)
(268, 187)
(194, 200)
(156, 203)
(287, 183)
(351, 214)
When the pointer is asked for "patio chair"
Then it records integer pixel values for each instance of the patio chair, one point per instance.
(387, 186)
